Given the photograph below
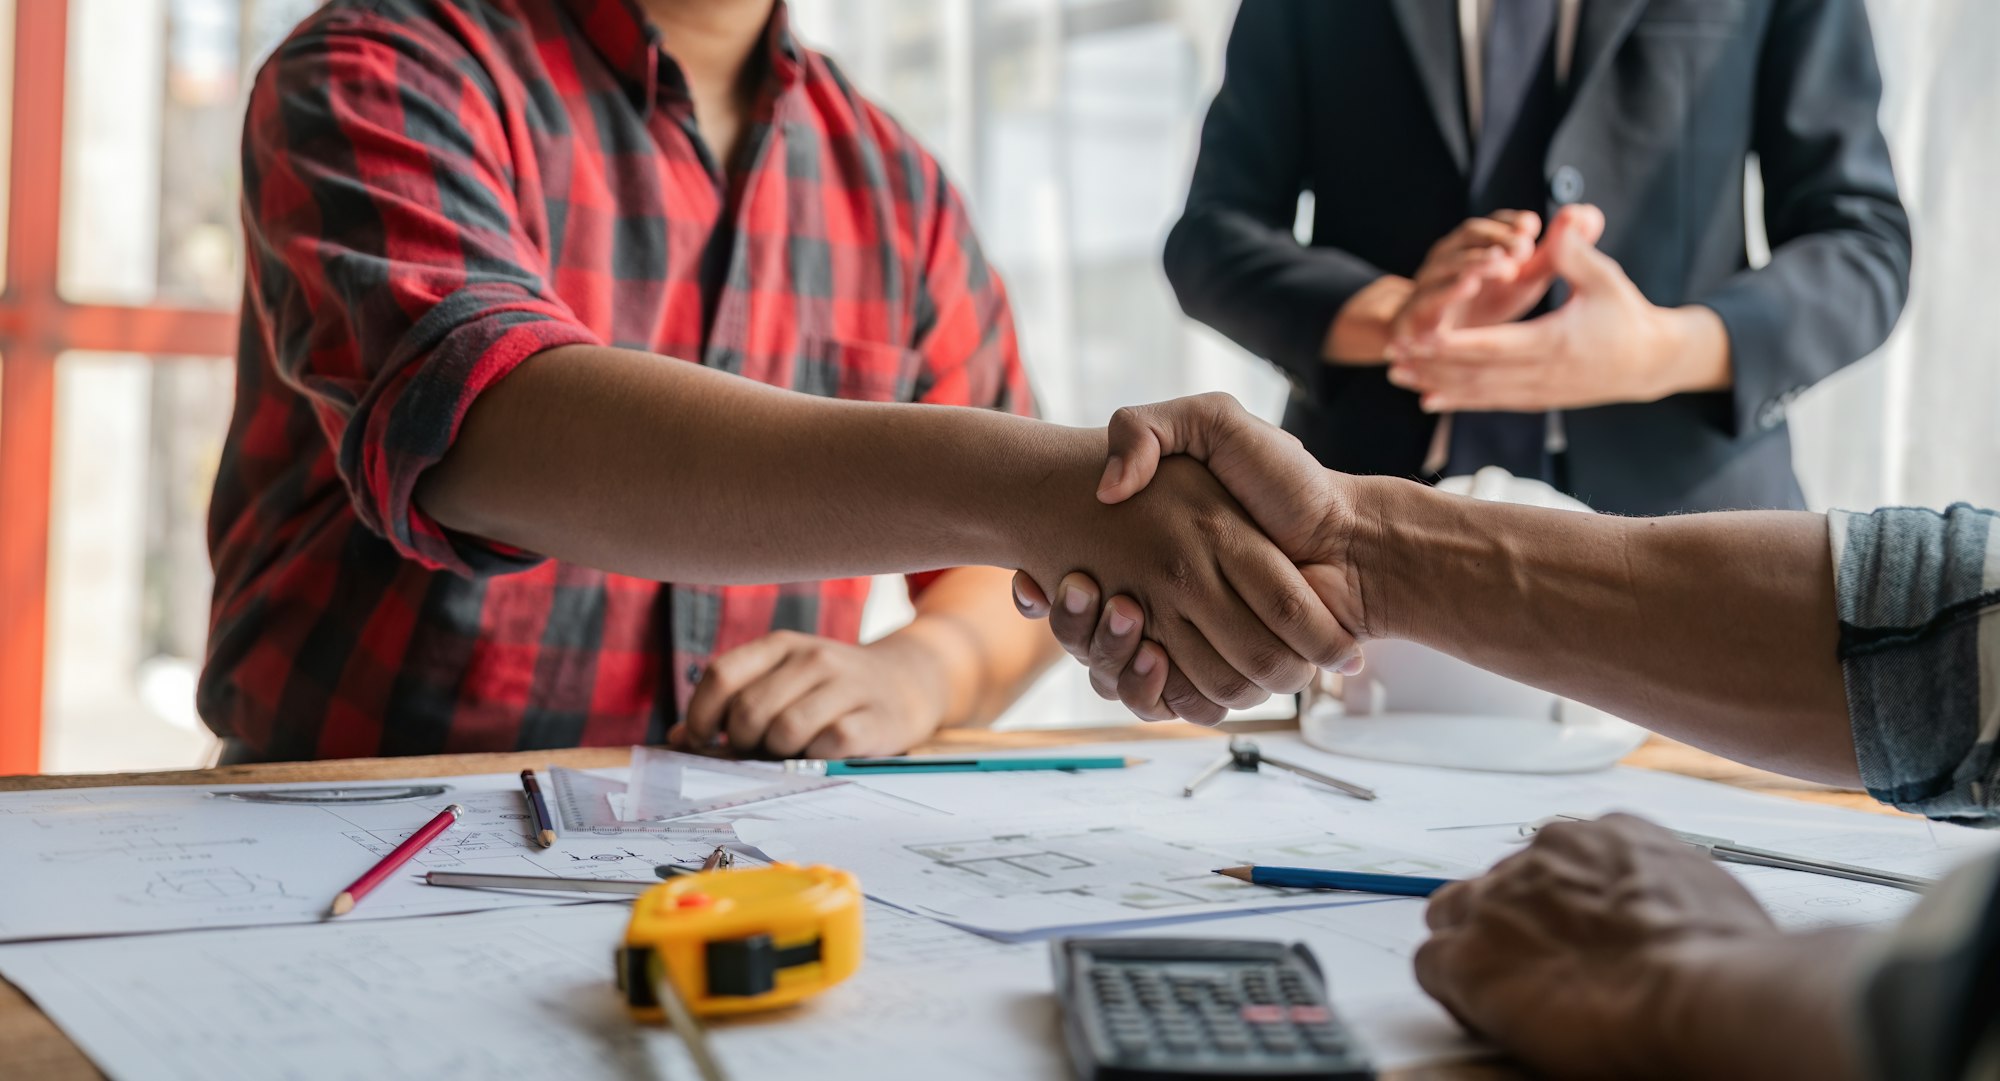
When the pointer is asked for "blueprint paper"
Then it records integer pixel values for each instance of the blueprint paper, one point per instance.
(528, 994)
(101, 861)
(525, 994)
(1029, 875)
(1463, 818)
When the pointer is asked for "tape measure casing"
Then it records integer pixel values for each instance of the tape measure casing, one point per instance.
(737, 941)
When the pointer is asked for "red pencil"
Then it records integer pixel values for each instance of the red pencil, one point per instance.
(343, 902)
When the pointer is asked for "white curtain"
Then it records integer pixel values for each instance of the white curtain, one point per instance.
(1919, 423)
(1070, 125)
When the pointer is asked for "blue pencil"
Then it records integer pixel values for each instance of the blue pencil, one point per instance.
(1309, 878)
(888, 766)
(538, 809)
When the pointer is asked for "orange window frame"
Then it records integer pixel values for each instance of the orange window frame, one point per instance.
(36, 326)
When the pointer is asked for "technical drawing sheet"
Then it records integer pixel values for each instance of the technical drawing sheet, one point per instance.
(1036, 875)
(101, 861)
(529, 994)
(525, 994)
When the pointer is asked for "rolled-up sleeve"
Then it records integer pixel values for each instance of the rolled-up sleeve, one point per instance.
(1919, 601)
(390, 271)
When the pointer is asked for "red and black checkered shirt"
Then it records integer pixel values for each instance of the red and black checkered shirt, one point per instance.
(435, 190)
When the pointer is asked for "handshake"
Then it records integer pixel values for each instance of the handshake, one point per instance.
(1230, 557)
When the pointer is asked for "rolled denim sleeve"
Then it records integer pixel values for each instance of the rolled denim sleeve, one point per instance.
(1918, 593)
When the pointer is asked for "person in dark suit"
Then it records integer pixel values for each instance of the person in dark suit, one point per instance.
(1654, 367)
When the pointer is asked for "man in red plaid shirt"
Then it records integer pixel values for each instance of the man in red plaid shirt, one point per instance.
(460, 473)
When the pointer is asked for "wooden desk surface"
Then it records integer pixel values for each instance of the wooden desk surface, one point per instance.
(32, 1046)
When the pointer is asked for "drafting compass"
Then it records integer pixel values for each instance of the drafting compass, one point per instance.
(1244, 757)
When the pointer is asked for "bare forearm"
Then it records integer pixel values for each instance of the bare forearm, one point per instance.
(1716, 629)
(969, 648)
(659, 469)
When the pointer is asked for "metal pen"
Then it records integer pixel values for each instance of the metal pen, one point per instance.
(1724, 850)
(626, 887)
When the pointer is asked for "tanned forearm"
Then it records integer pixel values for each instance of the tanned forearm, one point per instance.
(976, 651)
(625, 462)
(1718, 630)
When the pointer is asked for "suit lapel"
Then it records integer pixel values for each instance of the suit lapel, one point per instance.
(1602, 25)
(1431, 29)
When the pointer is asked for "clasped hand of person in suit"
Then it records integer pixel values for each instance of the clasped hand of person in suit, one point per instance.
(1455, 341)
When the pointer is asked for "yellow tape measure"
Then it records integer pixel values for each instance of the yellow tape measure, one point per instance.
(736, 941)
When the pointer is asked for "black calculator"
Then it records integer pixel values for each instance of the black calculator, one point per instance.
(1138, 1008)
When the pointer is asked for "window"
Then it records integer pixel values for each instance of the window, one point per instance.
(1070, 126)
(123, 260)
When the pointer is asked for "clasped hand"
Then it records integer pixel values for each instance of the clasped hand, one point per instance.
(1240, 600)
(1306, 511)
(1456, 344)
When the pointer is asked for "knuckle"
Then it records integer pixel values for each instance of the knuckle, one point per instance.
(726, 670)
(1106, 651)
(1429, 967)
(1074, 633)
(1219, 401)
(1213, 525)
(1272, 663)
(1180, 576)
(812, 647)
(783, 737)
(1237, 692)
(848, 732)
(1295, 608)
(1188, 704)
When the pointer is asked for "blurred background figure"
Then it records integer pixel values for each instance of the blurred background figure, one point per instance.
(1069, 125)
(1662, 384)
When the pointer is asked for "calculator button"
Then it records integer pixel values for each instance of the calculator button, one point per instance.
(1263, 1014)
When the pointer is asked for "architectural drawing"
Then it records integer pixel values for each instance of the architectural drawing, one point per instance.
(1127, 867)
(208, 886)
(161, 858)
(143, 850)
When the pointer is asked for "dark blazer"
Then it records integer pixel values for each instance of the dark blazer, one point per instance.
(1361, 102)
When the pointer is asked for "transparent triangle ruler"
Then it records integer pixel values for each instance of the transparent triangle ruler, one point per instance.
(670, 785)
(582, 803)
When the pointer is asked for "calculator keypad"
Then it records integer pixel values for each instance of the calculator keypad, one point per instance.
(1209, 1016)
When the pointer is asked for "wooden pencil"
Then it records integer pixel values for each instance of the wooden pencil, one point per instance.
(343, 902)
(538, 809)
